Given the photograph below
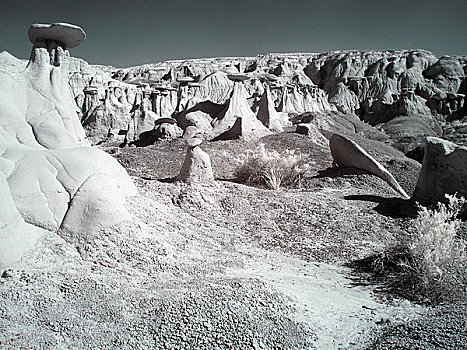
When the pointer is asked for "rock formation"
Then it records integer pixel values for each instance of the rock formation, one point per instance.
(49, 174)
(312, 132)
(16, 236)
(347, 153)
(268, 115)
(64, 35)
(197, 165)
(167, 129)
(444, 171)
(237, 119)
(409, 133)
(376, 86)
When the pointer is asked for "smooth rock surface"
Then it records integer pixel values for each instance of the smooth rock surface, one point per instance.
(444, 171)
(238, 117)
(347, 153)
(16, 236)
(267, 113)
(49, 168)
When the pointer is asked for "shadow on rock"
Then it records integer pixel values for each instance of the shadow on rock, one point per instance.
(167, 180)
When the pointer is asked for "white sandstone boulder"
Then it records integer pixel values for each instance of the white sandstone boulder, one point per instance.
(444, 171)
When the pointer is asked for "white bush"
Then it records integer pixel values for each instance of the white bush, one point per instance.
(270, 168)
(430, 265)
(436, 246)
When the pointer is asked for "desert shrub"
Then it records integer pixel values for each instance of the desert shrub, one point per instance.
(439, 256)
(269, 168)
(430, 264)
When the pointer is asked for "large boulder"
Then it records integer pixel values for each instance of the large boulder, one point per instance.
(444, 171)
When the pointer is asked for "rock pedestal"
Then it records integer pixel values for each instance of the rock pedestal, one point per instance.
(197, 166)
(50, 179)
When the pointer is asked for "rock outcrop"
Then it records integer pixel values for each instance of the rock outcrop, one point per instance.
(16, 236)
(55, 180)
(237, 119)
(444, 171)
(268, 114)
(347, 153)
(376, 86)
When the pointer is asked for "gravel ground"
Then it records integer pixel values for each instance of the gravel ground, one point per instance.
(224, 265)
(443, 327)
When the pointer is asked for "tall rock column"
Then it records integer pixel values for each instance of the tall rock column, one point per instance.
(47, 71)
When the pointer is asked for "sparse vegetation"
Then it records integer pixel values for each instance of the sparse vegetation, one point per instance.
(269, 168)
(430, 265)
(439, 255)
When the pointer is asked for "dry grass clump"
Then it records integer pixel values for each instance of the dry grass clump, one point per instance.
(430, 265)
(269, 168)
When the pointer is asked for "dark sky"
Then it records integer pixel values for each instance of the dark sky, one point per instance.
(126, 33)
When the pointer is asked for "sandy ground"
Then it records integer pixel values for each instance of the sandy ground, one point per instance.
(214, 266)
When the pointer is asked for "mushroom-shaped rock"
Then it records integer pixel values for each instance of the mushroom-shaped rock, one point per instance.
(68, 35)
(346, 153)
(49, 176)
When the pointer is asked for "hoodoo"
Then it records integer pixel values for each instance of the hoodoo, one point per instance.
(51, 178)
(237, 119)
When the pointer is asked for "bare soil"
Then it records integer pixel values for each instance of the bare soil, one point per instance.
(224, 265)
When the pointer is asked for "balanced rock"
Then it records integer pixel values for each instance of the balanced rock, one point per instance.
(444, 171)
